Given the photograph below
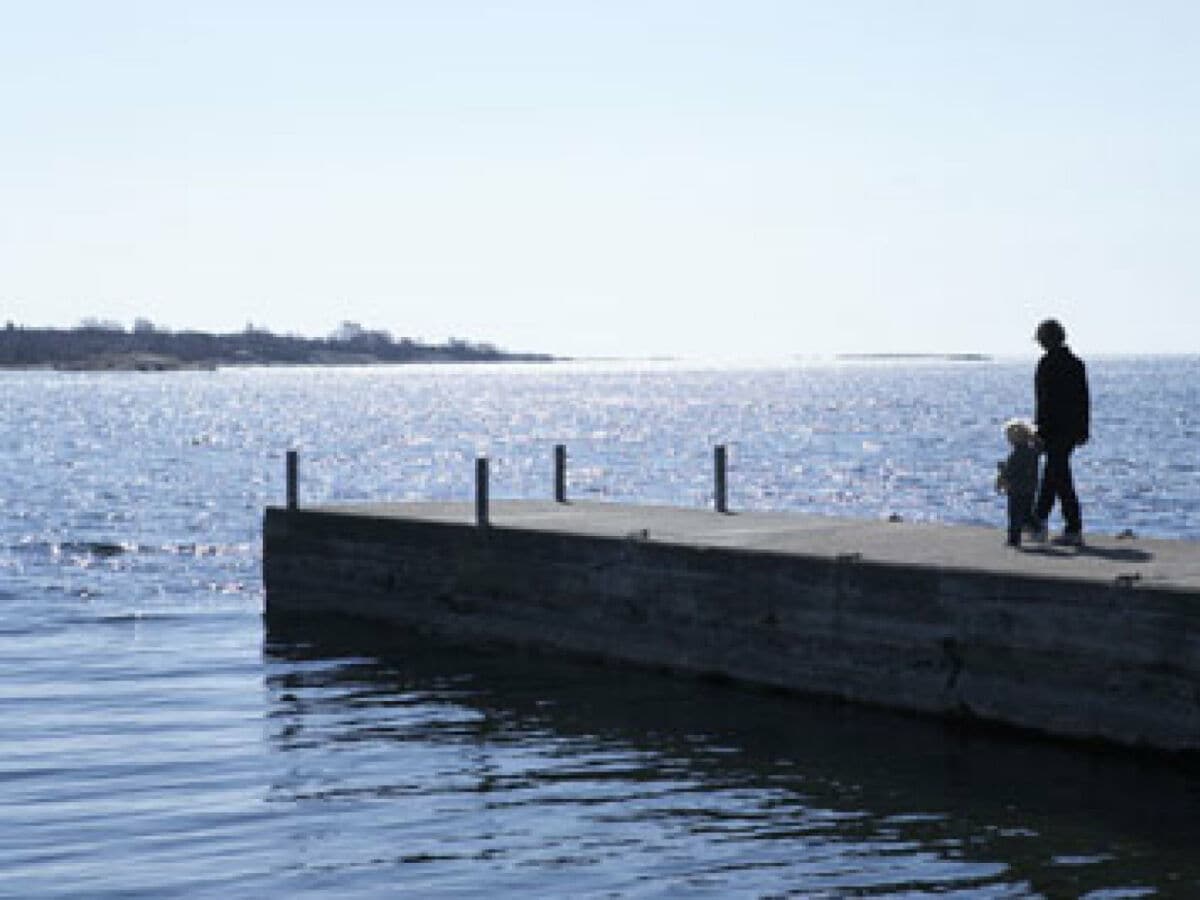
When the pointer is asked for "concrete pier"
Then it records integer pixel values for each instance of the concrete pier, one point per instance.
(1098, 643)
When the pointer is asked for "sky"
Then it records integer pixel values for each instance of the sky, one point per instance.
(749, 178)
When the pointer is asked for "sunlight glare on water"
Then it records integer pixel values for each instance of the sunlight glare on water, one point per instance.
(156, 739)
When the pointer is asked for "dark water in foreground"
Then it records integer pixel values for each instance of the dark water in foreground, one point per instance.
(157, 740)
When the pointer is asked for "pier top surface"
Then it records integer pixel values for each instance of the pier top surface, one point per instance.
(1150, 563)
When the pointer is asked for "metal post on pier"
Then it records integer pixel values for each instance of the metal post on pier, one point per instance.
(560, 473)
(292, 489)
(481, 492)
(720, 495)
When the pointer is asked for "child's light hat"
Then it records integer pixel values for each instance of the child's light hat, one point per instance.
(1019, 426)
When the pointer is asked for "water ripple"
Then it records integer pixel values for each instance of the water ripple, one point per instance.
(155, 742)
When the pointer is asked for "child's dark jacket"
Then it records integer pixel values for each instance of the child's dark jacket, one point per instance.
(1020, 472)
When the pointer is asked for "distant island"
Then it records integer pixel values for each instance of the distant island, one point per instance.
(146, 347)
(946, 357)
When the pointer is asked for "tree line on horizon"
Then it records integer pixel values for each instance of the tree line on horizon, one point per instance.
(349, 343)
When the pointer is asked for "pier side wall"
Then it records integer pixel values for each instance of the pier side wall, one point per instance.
(1114, 662)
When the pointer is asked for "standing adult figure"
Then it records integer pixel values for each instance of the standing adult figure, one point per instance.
(1062, 415)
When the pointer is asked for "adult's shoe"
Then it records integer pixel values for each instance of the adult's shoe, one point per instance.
(1069, 539)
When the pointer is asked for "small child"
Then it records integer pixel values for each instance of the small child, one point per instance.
(1018, 477)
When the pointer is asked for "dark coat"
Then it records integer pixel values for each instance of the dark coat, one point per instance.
(1063, 409)
(1020, 471)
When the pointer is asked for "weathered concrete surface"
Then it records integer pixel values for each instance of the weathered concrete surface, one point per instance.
(1102, 642)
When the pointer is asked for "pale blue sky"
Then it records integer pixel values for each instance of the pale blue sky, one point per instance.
(745, 178)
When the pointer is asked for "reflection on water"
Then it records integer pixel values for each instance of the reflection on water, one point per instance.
(452, 768)
(148, 748)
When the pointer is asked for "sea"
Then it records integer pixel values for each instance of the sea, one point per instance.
(159, 738)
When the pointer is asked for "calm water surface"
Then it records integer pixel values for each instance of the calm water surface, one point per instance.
(157, 740)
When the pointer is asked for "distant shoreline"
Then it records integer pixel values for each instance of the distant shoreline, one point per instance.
(146, 348)
(149, 362)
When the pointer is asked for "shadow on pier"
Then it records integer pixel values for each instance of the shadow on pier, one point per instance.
(1112, 554)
